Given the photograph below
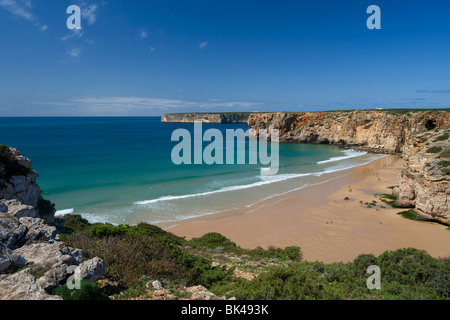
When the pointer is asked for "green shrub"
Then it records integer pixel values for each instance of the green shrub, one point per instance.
(408, 266)
(46, 208)
(74, 223)
(445, 154)
(89, 291)
(441, 283)
(442, 137)
(444, 163)
(105, 230)
(212, 240)
(434, 150)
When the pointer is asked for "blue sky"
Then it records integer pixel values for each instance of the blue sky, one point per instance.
(134, 58)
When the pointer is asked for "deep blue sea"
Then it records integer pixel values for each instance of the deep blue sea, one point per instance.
(119, 170)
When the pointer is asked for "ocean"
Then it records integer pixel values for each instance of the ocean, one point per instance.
(120, 171)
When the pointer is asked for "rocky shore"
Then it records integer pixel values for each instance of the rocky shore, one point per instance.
(32, 260)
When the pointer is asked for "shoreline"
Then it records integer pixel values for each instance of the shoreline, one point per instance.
(326, 227)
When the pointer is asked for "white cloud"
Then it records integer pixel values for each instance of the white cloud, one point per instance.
(203, 45)
(105, 105)
(89, 12)
(74, 53)
(75, 33)
(151, 49)
(143, 34)
(20, 8)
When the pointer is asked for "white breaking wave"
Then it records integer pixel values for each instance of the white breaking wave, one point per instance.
(265, 180)
(349, 154)
(64, 212)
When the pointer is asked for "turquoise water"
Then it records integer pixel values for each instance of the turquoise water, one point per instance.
(119, 170)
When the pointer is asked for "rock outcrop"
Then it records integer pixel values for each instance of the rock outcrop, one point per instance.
(28, 237)
(232, 117)
(380, 131)
(424, 179)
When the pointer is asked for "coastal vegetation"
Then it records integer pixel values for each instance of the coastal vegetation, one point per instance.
(390, 200)
(135, 255)
(412, 215)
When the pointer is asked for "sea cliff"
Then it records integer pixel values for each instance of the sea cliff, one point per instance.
(384, 131)
(421, 137)
(231, 117)
(424, 179)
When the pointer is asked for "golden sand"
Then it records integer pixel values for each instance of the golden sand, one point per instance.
(325, 226)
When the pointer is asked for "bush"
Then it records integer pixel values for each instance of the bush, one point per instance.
(105, 230)
(212, 240)
(88, 291)
(444, 163)
(46, 208)
(441, 284)
(445, 154)
(442, 137)
(407, 266)
(434, 150)
(74, 223)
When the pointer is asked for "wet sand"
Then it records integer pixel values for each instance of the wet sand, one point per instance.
(327, 227)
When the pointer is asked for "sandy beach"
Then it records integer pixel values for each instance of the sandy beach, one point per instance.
(327, 227)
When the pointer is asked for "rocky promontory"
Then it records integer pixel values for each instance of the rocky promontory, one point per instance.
(378, 131)
(32, 261)
(229, 117)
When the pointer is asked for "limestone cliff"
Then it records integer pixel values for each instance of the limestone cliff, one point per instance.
(28, 237)
(424, 179)
(380, 131)
(231, 117)
(421, 136)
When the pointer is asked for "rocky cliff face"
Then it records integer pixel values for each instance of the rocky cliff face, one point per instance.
(421, 136)
(234, 117)
(376, 131)
(28, 237)
(424, 179)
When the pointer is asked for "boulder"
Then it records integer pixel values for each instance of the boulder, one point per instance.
(20, 210)
(37, 230)
(23, 286)
(90, 270)
(46, 254)
(12, 231)
(10, 261)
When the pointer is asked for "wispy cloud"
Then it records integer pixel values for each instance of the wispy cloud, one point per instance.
(20, 8)
(89, 12)
(115, 105)
(203, 45)
(143, 34)
(74, 53)
(433, 91)
(73, 34)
